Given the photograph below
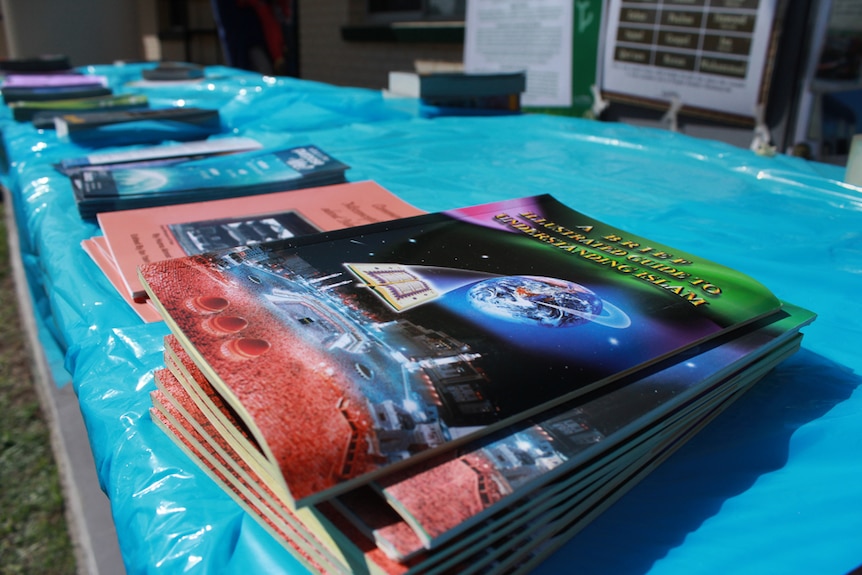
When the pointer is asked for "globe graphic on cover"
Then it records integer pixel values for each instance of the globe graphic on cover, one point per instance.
(543, 301)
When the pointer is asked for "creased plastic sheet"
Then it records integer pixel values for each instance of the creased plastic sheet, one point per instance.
(772, 486)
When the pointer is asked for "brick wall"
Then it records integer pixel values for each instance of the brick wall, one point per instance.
(325, 57)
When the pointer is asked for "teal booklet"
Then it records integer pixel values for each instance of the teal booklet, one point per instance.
(183, 181)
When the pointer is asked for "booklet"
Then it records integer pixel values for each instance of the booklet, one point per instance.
(42, 114)
(142, 126)
(137, 237)
(239, 174)
(354, 353)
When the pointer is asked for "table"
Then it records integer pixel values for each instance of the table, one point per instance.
(772, 486)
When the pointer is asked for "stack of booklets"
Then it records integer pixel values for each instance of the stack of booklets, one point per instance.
(22, 87)
(458, 392)
(39, 89)
(198, 176)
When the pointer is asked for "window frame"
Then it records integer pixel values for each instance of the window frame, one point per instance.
(422, 14)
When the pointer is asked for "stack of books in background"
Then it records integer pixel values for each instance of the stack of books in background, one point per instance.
(47, 79)
(461, 93)
(39, 89)
(84, 109)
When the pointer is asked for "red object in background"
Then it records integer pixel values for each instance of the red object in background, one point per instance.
(259, 35)
(273, 16)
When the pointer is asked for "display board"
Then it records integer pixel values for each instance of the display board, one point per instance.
(555, 42)
(708, 58)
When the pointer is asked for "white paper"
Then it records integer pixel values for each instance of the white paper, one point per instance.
(709, 55)
(514, 36)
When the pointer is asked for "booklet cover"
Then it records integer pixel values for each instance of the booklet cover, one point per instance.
(185, 151)
(239, 174)
(42, 114)
(52, 80)
(45, 93)
(126, 127)
(354, 353)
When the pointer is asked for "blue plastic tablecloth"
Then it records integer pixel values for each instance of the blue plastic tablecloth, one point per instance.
(772, 486)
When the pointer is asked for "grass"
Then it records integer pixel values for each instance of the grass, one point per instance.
(33, 534)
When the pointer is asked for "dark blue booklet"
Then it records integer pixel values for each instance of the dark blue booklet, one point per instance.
(46, 93)
(144, 126)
